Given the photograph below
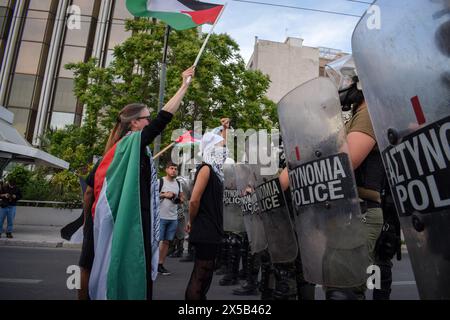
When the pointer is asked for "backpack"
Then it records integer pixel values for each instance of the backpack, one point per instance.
(161, 182)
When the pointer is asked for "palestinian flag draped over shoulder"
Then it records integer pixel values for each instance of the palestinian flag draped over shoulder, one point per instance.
(179, 14)
(119, 268)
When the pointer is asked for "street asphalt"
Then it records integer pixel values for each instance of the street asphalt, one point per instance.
(41, 274)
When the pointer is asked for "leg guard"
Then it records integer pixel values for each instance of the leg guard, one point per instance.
(305, 290)
(231, 278)
(285, 282)
(384, 293)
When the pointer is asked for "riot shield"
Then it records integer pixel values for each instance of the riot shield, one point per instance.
(326, 210)
(233, 220)
(246, 183)
(405, 74)
(278, 226)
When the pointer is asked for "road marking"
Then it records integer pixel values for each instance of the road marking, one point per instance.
(394, 283)
(403, 283)
(20, 281)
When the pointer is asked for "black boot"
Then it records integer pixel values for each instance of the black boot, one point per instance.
(231, 278)
(266, 273)
(245, 251)
(222, 261)
(285, 282)
(249, 287)
(305, 290)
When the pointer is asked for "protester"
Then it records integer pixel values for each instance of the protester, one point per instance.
(87, 249)
(126, 207)
(205, 226)
(171, 196)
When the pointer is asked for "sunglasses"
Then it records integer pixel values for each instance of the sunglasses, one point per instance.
(148, 118)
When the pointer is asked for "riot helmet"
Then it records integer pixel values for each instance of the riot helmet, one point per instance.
(343, 73)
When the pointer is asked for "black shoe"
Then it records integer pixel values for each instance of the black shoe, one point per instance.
(9, 235)
(163, 271)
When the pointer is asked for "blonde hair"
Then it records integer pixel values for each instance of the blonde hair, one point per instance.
(126, 115)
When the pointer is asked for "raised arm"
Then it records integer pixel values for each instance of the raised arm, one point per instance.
(174, 103)
(154, 129)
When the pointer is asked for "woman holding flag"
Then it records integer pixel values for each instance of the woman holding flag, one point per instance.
(126, 207)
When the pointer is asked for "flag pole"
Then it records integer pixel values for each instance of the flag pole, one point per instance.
(207, 38)
(163, 150)
(162, 88)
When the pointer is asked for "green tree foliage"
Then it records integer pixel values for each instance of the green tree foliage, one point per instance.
(20, 176)
(222, 87)
(39, 185)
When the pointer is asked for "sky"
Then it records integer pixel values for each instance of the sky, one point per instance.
(243, 21)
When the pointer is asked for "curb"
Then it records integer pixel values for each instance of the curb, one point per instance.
(39, 244)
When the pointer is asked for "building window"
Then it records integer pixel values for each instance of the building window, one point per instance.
(22, 88)
(65, 101)
(117, 34)
(70, 54)
(61, 119)
(86, 6)
(20, 119)
(28, 59)
(43, 5)
(35, 26)
(79, 37)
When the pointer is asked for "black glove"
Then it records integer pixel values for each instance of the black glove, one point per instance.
(388, 243)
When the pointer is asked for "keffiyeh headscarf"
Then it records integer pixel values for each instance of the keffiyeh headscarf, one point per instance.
(212, 154)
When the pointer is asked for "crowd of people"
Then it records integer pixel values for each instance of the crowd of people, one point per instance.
(155, 214)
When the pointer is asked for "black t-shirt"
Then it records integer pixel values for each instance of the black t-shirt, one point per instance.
(207, 226)
(10, 201)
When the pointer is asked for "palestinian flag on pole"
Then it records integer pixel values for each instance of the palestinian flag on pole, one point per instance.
(188, 139)
(119, 268)
(179, 14)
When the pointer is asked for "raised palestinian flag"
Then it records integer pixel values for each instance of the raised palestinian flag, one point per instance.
(188, 139)
(119, 268)
(179, 14)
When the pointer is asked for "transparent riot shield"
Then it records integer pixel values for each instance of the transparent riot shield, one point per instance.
(233, 220)
(327, 213)
(278, 226)
(246, 183)
(404, 68)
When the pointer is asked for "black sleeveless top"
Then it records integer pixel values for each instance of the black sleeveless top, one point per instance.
(207, 226)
